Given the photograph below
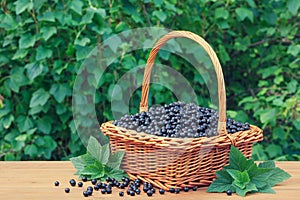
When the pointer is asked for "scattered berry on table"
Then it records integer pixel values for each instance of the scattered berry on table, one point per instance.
(96, 187)
(94, 181)
(177, 190)
(172, 190)
(103, 191)
(67, 190)
(161, 191)
(229, 192)
(108, 190)
(85, 193)
(179, 120)
(186, 189)
(56, 183)
(80, 184)
(149, 193)
(121, 194)
(89, 188)
(72, 182)
(195, 188)
(138, 191)
(90, 192)
(84, 179)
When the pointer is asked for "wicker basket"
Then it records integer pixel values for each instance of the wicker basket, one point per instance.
(179, 162)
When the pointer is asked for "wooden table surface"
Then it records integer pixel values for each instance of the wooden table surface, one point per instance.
(35, 180)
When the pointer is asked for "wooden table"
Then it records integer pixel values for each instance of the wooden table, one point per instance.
(35, 180)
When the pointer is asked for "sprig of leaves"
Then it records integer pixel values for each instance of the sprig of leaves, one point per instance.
(243, 176)
(98, 162)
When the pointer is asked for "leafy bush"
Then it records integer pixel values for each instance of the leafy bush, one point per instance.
(43, 44)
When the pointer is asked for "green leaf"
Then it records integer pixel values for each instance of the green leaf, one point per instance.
(224, 56)
(249, 188)
(117, 174)
(267, 189)
(244, 13)
(82, 52)
(82, 42)
(277, 176)
(115, 159)
(7, 120)
(8, 22)
(274, 150)
(44, 124)
(76, 5)
(60, 91)
(22, 5)
(87, 18)
(101, 153)
(95, 169)
(241, 179)
(39, 98)
(48, 31)
(221, 13)
(222, 183)
(268, 116)
(21, 53)
(47, 16)
(26, 40)
(293, 6)
(259, 176)
(292, 86)
(294, 50)
(24, 123)
(78, 163)
(31, 150)
(160, 15)
(33, 70)
(42, 53)
(238, 161)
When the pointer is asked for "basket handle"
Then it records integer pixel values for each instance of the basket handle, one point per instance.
(216, 64)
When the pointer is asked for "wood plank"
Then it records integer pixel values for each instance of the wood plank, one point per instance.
(34, 180)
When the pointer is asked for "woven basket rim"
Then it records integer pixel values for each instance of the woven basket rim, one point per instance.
(160, 141)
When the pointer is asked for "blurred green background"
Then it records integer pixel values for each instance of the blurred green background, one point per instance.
(44, 42)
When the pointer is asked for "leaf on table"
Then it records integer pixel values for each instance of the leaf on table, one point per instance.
(237, 160)
(222, 183)
(101, 153)
(115, 159)
(277, 175)
(249, 188)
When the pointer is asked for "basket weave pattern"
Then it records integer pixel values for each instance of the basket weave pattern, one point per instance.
(179, 162)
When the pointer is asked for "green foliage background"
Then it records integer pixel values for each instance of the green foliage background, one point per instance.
(43, 43)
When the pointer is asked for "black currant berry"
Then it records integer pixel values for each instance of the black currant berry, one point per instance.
(89, 192)
(103, 191)
(94, 181)
(89, 188)
(186, 189)
(67, 190)
(229, 192)
(172, 190)
(195, 188)
(177, 190)
(149, 193)
(84, 179)
(72, 182)
(138, 191)
(56, 183)
(161, 191)
(121, 194)
(80, 184)
(85, 193)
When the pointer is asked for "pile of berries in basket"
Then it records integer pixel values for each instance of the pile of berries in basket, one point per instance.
(179, 120)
